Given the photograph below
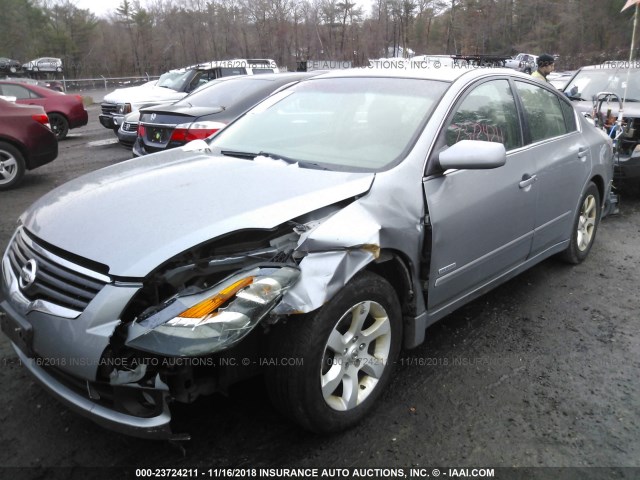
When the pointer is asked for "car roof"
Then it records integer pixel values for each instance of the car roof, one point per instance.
(447, 74)
(18, 82)
(264, 77)
(272, 76)
(283, 78)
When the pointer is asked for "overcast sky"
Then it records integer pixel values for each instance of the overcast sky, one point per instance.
(103, 7)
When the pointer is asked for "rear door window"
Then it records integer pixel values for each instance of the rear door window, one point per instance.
(543, 112)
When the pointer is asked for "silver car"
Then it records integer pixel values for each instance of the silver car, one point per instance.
(309, 241)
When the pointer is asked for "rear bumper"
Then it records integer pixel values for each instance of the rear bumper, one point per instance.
(46, 152)
(79, 119)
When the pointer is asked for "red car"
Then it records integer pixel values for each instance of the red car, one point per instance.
(26, 141)
(64, 111)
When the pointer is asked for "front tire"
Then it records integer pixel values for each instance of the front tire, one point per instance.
(59, 125)
(585, 226)
(347, 350)
(12, 166)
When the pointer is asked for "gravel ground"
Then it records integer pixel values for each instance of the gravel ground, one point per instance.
(541, 372)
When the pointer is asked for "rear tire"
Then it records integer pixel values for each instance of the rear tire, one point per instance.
(59, 125)
(585, 226)
(346, 352)
(12, 166)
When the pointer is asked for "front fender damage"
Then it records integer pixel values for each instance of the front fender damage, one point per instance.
(334, 252)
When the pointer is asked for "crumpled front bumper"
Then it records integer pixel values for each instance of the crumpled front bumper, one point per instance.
(157, 427)
(114, 407)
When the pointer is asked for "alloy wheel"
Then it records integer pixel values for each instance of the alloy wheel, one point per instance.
(8, 167)
(355, 356)
(587, 222)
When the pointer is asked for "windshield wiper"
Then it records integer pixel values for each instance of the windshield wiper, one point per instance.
(276, 156)
(251, 155)
(231, 153)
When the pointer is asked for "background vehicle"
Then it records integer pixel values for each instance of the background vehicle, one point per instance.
(332, 223)
(173, 86)
(51, 84)
(523, 62)
(207, 110)
(560, 79)
(9, 66)
(26, 141)
(601, 91)
(65, 111)
(128, 131)
(43, 65)
(436, 61)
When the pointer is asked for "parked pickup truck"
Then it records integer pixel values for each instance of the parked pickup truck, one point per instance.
(174, 85)
(523, 62)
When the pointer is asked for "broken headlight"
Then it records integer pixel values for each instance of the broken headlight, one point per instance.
(200, 322)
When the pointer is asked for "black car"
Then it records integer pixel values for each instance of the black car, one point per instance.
(9, 67)
(207, 110)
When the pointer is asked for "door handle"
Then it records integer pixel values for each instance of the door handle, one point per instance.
(528, 180)
(582, 152)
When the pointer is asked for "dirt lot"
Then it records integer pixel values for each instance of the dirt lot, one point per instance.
(542, 371)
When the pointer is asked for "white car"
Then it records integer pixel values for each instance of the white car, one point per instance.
(523, 62)
(44, 64)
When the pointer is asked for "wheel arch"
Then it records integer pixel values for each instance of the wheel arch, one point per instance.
(394, 267)
(56, 112)
(17, 145)
(599, 183)
(391, 265)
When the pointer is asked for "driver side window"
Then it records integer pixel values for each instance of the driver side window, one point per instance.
(487, 113)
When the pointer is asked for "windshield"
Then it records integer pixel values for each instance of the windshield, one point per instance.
(353, 124)
(588, 83)
(174, 80)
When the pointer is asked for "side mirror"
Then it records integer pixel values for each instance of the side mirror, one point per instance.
(473, 155)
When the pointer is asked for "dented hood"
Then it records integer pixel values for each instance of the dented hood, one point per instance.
(142, 94)
(135, 215)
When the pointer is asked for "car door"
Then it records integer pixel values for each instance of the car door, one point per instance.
(482, 220)
(563, 162)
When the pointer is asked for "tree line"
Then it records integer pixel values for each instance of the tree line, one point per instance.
(150, 38)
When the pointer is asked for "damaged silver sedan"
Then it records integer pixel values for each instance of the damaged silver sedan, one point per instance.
(308, 241)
